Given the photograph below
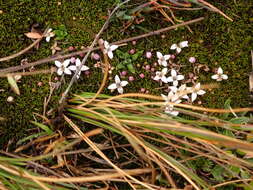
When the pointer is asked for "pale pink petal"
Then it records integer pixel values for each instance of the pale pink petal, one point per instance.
(179, 50)
(72, 67)
(110, 54)
(160, 62)
(78, 62)
(225, 77)
(173, 73)
(183, 44)
(173, 88)
(67, 71)
(84, 68)
(180, 77)
(120, 90)
(201, 92)
(197, 86)
(60, 71)
(164, 63)
(123, 83)
(106, 44)
(174, 113)
(113, 47)
(164, 97)
(58, 63)
(174, 46)
(215, 77)
(112, 86)
(159, 55)
(194, 96)
(164, 71)
(166, 57)
(66, 62)
(164, 79)
(48, 38)
(169, 79)
(220, 71)
(157, 77)
(185, 97)
(117, 79)
(175, 83)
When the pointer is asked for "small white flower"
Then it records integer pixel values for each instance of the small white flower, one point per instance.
(118, 85)
(160, 75)
(195, 91)
(174, 77)
(49, 34)
(171, 98)
(63, 67)
(181, 92)
(78, 64)
(109, 49)
(220, 76)
(162, 59)
(178, 47)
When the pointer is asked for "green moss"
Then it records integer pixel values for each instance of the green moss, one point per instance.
(214, 42)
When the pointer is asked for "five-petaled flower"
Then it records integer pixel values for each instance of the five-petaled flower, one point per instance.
(118, 85)
(49, 34)
(195, 91)
(178, 47)
(174, 77)
(109, 49)
(220, 76)
(63, 67)
(162, 59)
(171, 98)
(160, 75)
(181, 92)
(77, 66)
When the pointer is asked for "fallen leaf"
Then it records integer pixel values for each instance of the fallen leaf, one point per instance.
(34, 35)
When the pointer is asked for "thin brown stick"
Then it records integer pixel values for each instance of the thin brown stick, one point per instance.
(58, 57)
(24, 50)
(43, 71)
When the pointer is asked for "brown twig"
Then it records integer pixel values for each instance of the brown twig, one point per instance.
(53, 58)
(43, 71)
(24, 50)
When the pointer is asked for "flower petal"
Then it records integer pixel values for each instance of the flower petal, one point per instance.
(112, 86)
(180, 77)
(117, 79)
(113, 47)
(67, 71)
(164, 97)
(110, 54)
(173, 73)
(220, 71)
(175, 83)
(197, 86)
(120, 90)
(164, 63)
(201, 92)
(164, 71)
(173, 88)
(179, 50)
(106, 44)
(84, 68)
(215, 77)
(183, 44)
(166, 57)
(66, 62)
(194, 96)
(225, 77)
(159, 55)
(164, 79)
(157, 77)
(78, 62)
(72, 67)
(123, 83)
(58, 63)
(60, 71)
(48, 38)
(169, 79)
(173, 47)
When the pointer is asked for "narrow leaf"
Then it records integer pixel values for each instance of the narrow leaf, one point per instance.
(13, 84)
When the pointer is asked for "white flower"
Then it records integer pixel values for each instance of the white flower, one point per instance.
(220, 76)
(118, 85)
(174, 77)
(179, 47)
(162, 59)
(49, 34)
(78, 64)
(109, 48)
(160, 75)
(171, 98)
(195, 91)
(63, 67)
(182, 91)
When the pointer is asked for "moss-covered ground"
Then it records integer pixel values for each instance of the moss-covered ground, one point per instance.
(214, 42)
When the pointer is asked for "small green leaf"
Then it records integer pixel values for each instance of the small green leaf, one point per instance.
(131, 68)
(43, 127)
(240, 120)
(120, 66)
(13, 84)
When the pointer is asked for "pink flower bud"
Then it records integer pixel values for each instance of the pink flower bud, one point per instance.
(71, 48)
(142, 75)
(148, 54)
(192, 59)
(134, 42)
(132, 51)
(147, 67)
(72, 59)
(131, 78)
(95, 56)
(143, 90)
(172, 56)
(87, 73)
(124, 73)
(153, 69)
